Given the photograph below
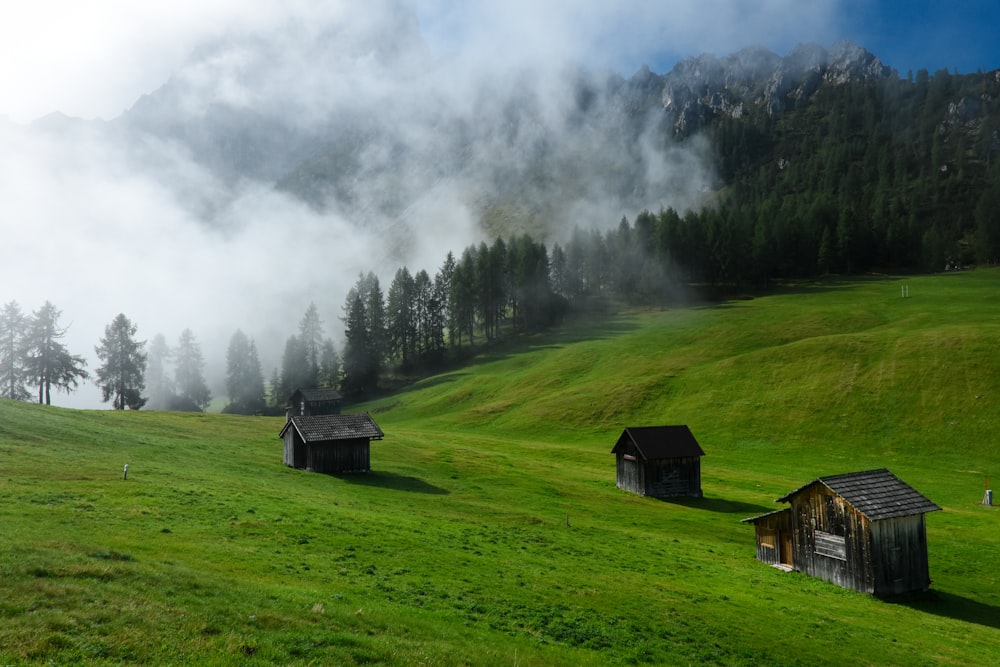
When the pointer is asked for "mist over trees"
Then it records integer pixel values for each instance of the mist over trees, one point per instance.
(861, 175)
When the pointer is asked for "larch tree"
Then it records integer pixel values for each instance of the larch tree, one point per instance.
(121, 376)
(159, 384)
(192, 392)
(47, 361)
(13, 337)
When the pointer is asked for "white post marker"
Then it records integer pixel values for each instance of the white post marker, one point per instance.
(126, 472)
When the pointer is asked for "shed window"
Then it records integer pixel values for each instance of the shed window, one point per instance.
(830, 545)
(767, 538)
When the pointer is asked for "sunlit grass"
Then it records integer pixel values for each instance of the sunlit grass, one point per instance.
(491, 531)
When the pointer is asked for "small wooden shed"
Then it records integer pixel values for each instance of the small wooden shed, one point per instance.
(330, 443)
(659, 461)
(862, 530)
(322, 401)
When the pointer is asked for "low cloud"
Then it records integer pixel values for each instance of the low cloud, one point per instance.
(108, 217)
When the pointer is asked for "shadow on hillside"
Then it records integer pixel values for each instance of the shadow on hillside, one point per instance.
(439, 379)
(390, 480)
(724, 298)
(582, 328)
(950, 605)
(720, 505)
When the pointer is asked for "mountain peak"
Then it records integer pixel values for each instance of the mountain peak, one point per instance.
(700, 88)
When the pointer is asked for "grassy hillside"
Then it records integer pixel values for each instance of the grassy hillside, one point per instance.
(491, 532)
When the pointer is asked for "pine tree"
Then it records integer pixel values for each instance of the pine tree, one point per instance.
(121, 376)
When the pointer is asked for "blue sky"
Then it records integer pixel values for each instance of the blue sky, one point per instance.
(960, 35)
(922, 34)
(95, 58)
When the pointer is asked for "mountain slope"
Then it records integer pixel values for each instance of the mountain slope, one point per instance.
(491, 531)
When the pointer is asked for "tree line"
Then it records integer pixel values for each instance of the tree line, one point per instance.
(33, 355)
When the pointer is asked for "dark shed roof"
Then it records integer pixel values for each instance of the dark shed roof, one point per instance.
(318, 428)
(877, 494)
(754, 519)
(317, 394)
(660, 442)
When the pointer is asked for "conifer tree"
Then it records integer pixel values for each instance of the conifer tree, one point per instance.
(159, 384)
(244, 378)
(13, 335)
(121, 376)
(329, 365)
(311, 339)
(192, 393)
(47, 361)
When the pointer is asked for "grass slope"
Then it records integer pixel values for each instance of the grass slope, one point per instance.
(491, 531)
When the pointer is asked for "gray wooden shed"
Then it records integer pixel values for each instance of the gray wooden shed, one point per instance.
(323, 401)
(330, 443)
(862, 530)
(659, 461)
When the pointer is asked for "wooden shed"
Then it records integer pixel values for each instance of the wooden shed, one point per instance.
(862, 530)
(330, 443)
(659, 461)
(314, 402)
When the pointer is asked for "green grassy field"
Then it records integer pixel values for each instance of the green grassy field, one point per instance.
(491, 531)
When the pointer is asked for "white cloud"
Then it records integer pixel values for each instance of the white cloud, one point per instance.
(99, 227)
(94, 58)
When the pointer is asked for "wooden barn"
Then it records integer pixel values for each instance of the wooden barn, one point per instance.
(659, 461)
(862, 530)
(330, 444)
(314, 402)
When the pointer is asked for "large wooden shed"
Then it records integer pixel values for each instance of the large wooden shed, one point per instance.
(659, 461)
(330, 443)
(862, 530)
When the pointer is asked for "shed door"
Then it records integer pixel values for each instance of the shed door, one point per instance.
(785, 547)
(629, 477)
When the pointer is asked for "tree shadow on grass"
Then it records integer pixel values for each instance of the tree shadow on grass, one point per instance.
(391, 480)
(721, 506)
(950, 605)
